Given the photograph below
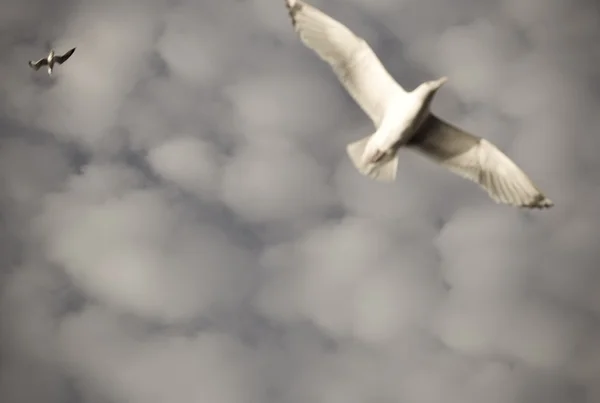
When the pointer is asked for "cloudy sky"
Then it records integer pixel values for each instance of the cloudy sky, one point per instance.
(180, 223)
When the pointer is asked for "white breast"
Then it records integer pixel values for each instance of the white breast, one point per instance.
(399, 123)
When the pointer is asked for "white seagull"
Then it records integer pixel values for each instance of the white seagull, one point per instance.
(403, 119)
(50, 60)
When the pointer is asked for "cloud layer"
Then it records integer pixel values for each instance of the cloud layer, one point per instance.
(180, 222)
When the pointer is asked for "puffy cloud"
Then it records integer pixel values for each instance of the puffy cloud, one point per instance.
(188, 162)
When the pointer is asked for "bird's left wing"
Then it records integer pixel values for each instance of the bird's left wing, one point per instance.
(356, 65)
(478, 160)
(65, 57)
(36, 65)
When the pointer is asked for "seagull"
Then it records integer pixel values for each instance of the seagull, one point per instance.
(50, 60)
(402, 119)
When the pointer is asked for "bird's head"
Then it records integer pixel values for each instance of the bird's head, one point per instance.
(436, 84)
(428, 89)
(433, 85)
(51, 54)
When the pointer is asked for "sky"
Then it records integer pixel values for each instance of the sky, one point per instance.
(179, 221)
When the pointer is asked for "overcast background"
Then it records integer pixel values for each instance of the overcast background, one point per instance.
(180, 223)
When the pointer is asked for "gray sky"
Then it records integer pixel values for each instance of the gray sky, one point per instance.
(180, 223)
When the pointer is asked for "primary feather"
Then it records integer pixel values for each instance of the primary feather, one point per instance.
(353, 61)
(478, 160)
(36, 65)
(65, 57)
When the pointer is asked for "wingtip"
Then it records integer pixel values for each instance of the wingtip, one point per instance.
(540, 202)
(293, 6)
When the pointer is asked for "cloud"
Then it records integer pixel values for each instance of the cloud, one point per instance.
(188, 162)
(179, 220)
(124, 366)
(137, 248)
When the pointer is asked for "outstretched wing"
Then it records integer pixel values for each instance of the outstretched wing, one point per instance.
(36, 65)
(356, 65)
(65, 57)
(480, 161)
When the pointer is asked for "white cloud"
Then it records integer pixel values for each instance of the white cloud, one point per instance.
(188, 162)
(274, 182)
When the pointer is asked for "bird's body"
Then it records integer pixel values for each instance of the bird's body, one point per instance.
(50, 60)
(402, 119)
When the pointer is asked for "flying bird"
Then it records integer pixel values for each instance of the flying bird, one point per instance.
(50, 60)
(402, 119)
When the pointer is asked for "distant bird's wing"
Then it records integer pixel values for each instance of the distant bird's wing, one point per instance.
(356, 65)
(65, 57)
(36, 65)
(478, 160)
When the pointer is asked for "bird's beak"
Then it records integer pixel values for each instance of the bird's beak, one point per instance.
(441, 81)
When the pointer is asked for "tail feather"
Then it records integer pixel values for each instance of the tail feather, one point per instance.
(356, 150)
(383, 171)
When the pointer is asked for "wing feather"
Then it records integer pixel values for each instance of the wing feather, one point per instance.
(353, 61)
(36, 65)
(480, 161)
(65, 57)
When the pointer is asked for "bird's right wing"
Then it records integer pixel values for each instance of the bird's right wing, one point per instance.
(65, 57)
(356, 65)
(36, 65)
(478, 160)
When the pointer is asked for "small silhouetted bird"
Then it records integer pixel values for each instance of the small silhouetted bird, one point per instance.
(50, 60)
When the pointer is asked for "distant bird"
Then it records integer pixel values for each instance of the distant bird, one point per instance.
(50, 60)
(403, 119)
